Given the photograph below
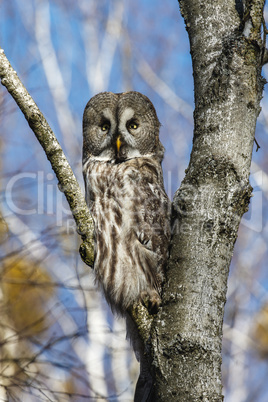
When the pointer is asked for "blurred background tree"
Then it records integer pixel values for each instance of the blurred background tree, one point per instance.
(59, 341)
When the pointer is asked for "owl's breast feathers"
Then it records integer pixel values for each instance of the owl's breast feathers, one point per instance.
(132, 230)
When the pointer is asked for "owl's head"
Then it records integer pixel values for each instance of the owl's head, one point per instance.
(121, 126)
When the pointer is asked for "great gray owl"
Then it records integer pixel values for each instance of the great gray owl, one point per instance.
(122, 157)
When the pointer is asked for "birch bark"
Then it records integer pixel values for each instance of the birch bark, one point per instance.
(183, 341)
(186, 336)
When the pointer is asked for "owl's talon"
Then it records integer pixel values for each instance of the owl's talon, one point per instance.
(151, 300)
(122, 157)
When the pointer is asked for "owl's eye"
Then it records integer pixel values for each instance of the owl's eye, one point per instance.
(132, 125)
(105, 127)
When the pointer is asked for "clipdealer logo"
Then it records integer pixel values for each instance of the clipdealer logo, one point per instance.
(50, 200)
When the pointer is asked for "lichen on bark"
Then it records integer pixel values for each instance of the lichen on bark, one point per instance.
(67, 181)
(207, 208)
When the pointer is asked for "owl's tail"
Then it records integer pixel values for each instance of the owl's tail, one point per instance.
(144, 386)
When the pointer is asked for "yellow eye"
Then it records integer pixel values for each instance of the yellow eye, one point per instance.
(105, 127)
(133, 126)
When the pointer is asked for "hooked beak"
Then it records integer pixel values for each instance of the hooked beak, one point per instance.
(118, 143)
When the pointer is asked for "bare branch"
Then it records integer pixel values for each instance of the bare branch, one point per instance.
(67, 181)
(163, 90)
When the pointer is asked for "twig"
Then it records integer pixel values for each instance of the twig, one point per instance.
(258, 146)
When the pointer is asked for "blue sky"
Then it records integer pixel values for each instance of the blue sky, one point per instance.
(65, 52)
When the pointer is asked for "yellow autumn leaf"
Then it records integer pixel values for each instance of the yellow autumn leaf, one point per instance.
(26, 290)
(261, 330)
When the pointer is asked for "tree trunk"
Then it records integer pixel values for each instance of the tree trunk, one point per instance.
(186, 335)
(184, 341)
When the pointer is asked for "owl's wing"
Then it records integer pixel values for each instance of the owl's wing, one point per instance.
(89, 196)
(152, 213)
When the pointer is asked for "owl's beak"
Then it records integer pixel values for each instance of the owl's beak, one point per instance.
(118, 143)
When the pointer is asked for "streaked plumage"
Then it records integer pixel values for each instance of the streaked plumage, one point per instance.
(122, 157)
